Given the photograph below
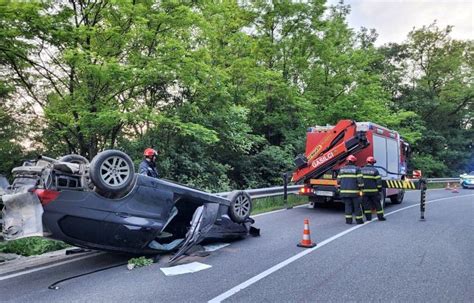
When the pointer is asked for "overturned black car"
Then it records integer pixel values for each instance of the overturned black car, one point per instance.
(104, 205)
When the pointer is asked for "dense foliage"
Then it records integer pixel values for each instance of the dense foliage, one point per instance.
(223, 89)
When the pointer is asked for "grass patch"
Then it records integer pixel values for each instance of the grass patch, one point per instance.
(273, 203)
(441, 185)
(139, 262)
(31, 246)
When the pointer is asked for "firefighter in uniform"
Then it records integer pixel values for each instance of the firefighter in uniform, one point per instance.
(372, 190)
(350, 185)
(148, 166)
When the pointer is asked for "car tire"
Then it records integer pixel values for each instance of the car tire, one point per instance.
(240, 206)
(112, 172)
(74, 158)
(398, 198)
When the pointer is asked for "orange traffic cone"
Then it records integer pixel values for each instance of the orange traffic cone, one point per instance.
(448, 186)
(306, 242)
(455, 189)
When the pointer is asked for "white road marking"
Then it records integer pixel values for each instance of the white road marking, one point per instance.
(280, 265)
(45, 267)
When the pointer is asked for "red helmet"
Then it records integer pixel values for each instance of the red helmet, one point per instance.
(371, 160)
(351, 158)
(150, 152)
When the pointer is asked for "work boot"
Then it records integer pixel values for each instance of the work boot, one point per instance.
(348, 221)
(368, 217)
(360, 221)
(382, 218)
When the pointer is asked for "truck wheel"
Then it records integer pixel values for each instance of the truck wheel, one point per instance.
(112, 171)
(398, 198)
(73, 158)
(240, 206)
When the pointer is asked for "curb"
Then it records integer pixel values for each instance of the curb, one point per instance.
(33, 262)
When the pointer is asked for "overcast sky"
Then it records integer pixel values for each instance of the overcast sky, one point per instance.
(393, 19)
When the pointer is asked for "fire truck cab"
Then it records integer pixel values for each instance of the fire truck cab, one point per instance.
(327, 148)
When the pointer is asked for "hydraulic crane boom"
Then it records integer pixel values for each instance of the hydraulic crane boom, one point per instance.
(332, 146)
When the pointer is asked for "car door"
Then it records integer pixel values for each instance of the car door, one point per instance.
(201, 223)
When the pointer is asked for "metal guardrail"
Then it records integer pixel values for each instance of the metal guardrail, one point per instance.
(293, 189)
(442, 180)
(266, 192)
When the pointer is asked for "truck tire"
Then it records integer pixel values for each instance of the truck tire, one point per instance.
(398, 198)
(240, 206)
(74, 158)
(112, 172)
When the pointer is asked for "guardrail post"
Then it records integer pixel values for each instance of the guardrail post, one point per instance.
(422, 199)
(285, 190)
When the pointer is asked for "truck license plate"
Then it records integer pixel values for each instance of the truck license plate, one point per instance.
(324, 193)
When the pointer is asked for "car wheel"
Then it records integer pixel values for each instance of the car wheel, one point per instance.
(398, 198)
(240, 206)
(112, 171)
(73, 158)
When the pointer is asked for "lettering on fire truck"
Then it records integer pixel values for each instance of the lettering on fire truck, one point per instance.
(322, 159)
(318, 148)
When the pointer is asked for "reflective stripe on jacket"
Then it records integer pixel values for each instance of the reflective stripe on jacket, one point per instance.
(372, 180)
(350, 181)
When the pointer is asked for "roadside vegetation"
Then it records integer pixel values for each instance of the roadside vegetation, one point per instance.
(224, 90)
(273, 203)
(31, 246)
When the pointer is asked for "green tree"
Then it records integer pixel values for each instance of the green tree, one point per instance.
(431, 75)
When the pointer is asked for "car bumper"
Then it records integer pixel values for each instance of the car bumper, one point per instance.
(466, 184)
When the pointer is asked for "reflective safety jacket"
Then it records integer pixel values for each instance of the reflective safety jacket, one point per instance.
(350, 181)
(372, 180)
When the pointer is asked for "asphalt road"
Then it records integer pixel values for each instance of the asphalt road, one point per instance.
(402, 259)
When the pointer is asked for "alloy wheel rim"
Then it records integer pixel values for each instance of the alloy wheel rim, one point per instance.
(242, 206)
(114, 171)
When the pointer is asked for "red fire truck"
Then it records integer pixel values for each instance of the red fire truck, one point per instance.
(327, 148)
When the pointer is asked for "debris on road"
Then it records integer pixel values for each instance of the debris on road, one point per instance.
(138, 262)
(214, 247)
(185, 269)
